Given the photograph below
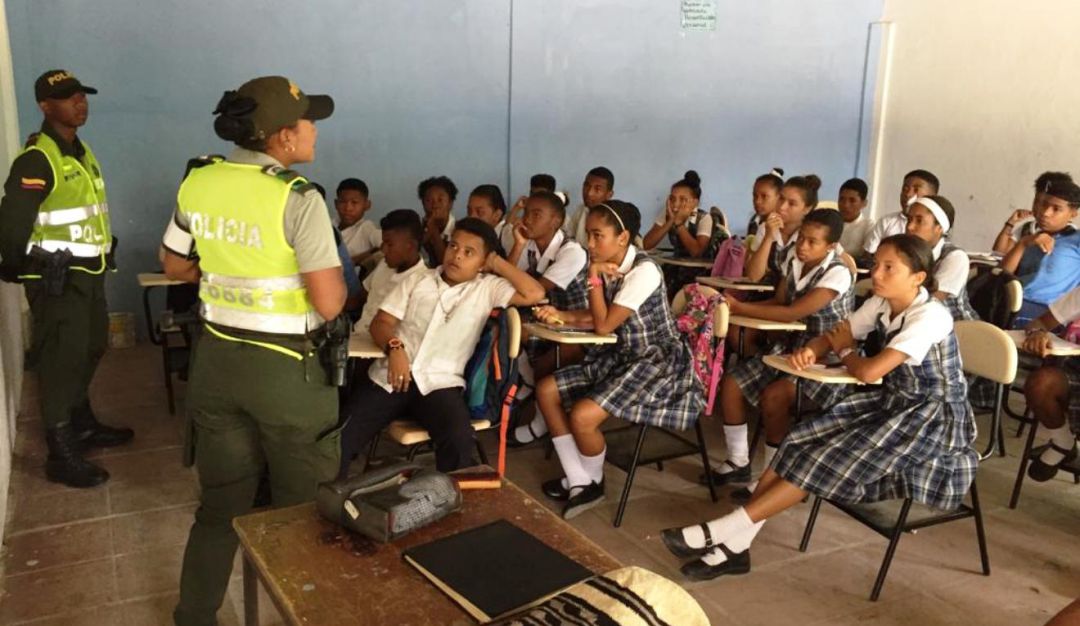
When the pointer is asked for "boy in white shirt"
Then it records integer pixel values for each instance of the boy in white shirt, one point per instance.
(851, 202)
(599, 187)
(917, 183)
(401, 235)
(437, 195)
(361, 236)
(428, 327)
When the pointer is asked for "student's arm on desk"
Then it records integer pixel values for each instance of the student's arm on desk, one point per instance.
(815, 300)
(866, 369)
(1039, 337)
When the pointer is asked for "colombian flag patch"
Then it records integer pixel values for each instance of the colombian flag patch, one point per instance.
(36, 184)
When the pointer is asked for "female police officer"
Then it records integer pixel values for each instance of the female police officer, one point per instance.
(268, 274)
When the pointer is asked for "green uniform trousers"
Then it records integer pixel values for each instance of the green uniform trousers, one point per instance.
(70, 334)
(251, 408)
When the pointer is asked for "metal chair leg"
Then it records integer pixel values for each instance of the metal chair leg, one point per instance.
(898, 531)
(1024, 458)
(168, 374)
(371, 452)
(411, 454)
(630, 475)
(705, 459)
(814, 510)
(980, 531)
(480, 451)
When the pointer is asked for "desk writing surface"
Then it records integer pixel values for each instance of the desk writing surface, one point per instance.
(683, 261)
(837, 375)
(314, 578)
(156, 279)
(760, 324)
(1058, 346)
(362, 346)
(735, 284)
(567, 337)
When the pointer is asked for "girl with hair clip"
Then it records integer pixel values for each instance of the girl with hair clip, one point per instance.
(645, 377)
(766, 200)
(910, 436)
(816, 289)
(930, 218)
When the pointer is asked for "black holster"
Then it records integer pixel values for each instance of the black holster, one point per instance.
(52, 267)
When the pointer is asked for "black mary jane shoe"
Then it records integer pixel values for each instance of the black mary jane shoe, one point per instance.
(734, 565)
(738, 474)
(583, 499)
(554, 489)
(676, 544)
(513, 442)
(1041, 471)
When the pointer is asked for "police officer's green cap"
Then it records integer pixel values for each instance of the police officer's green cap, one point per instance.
(58, 84)
(280, 103)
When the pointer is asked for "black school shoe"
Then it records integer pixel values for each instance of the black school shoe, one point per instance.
(738, 474)
(734, 565)
(584, 499)
(1041, 471)
(554, 489)
(676, 544)
(513, 442)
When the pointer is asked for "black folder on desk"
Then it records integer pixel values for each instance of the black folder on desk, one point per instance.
(495, 570)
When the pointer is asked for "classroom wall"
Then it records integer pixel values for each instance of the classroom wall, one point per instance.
(452, 87)
(984, 94)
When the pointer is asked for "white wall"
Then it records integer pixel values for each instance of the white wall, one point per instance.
(11, 299)
(986, 95)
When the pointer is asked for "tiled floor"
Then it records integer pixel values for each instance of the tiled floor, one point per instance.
(111, 555)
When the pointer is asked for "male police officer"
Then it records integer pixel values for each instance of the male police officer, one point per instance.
(55, 236)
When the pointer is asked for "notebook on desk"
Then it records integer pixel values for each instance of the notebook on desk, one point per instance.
(495, 570)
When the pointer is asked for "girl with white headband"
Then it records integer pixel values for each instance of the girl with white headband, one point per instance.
(930, 218)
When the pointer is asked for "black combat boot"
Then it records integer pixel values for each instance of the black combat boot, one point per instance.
(66, 464)
(93, 434)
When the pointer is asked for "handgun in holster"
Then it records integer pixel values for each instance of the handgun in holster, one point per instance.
(52, 267)
(332, 343)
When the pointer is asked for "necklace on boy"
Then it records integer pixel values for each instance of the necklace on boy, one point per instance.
(449, 313)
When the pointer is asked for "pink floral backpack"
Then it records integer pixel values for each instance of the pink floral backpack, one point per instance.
(696, 322)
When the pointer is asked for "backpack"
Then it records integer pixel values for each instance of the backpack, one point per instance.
(696, 322)
(986, 293)
(730, 258)
(491, 378)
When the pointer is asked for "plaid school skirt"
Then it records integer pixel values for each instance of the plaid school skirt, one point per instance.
(1072, 375)
(876, 445)
(657, 387)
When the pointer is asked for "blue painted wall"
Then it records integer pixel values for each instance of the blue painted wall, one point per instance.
(426, 87)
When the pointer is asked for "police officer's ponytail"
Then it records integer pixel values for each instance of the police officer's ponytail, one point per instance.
(234, 123)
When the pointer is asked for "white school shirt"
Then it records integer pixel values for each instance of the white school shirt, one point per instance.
(1066, 309)
(575, 226)
(838, 278)
(778, 237)
(378, 284)
(887, 226)
(362, 237)
(700, 223)
(560, 262)
(505, 232)
(952, 275)
(925, 322)
(440, 325)
(638, 283)
(855, 234)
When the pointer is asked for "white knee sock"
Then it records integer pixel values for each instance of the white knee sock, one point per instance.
(770, 453)
(570, 459)
(739, 543)
(1061, 437)
(738, 446)
(735, 530)
(525, 433)
(594, 466)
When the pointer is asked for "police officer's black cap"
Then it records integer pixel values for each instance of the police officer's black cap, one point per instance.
(280, 103)
(59, 85)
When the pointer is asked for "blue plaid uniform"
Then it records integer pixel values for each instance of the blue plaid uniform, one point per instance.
(1071, 368)
(573, 298)
(647, 376)
(753, 375)
(910, 437)
(959, 305)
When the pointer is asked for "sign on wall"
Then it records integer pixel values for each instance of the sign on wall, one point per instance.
(698, 15)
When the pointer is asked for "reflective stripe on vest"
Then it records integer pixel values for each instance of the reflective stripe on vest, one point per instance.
(63, 217)
(251, 279)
